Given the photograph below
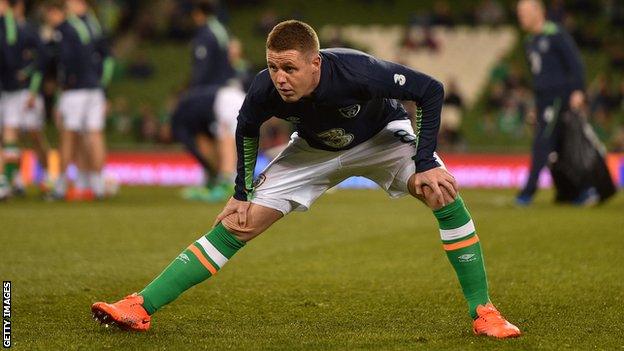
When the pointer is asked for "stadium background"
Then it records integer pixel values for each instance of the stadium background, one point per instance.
(475, 48)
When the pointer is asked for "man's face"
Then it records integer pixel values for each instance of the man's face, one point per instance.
(54, 16)
(77, 7)
(293, 73)
(528, 16)
(199, 19)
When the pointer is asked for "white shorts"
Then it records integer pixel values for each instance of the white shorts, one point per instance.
(228, 102)
(83, 110)
(300, 173)
(15, 114)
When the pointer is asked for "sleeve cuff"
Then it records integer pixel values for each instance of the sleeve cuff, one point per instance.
(425, 165)
(240, 197)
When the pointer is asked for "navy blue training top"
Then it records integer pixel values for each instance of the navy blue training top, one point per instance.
(211, 63)
(21, 59)
(195, 111)
(80, 51)
(555, 61)
(354, 100)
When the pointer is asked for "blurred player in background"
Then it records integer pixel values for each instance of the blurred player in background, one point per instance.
(559, 84)
(21, 105)
(85, 69)
(205, 122)
(208, 131)
(5, 189)
(349, 123)
(210, 45)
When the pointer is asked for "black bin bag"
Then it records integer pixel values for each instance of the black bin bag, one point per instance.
(579, 161)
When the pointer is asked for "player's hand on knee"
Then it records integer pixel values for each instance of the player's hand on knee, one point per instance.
(432, 201)
(437, 186)
(234, 206)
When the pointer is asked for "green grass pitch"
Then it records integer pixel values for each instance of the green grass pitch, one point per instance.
(357, 272)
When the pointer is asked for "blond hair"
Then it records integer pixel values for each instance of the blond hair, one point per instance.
(293, 35)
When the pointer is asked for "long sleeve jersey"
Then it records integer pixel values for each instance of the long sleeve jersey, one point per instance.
(355, 99)
(83, 54)
(211, 63)
(22, 55)
(555, 61)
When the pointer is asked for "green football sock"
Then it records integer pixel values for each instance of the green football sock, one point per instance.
(12, 159)
(201, 260)
(463, 249)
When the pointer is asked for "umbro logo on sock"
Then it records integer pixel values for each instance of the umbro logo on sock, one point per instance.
(183, 257)
(467, 257)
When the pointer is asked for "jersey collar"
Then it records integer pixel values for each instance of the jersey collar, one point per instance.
(320, 92)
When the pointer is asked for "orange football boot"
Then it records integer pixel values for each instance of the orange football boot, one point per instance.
(490, 322)
(127, 314)
(75, 194)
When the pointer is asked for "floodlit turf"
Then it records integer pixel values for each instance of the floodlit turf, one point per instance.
(357, 272)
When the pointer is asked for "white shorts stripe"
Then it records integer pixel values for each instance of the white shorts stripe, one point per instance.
(452, 234)
(212, 252)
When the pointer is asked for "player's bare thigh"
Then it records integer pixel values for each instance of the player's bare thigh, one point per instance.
(259, 219)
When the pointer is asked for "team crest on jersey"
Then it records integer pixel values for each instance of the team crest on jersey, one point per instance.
(399, 79)
(336, 138)
(543, 45)
(57, 36)
(350, 111)
(259, 180)
(201, 52)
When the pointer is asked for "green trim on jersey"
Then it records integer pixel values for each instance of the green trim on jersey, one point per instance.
(94, 24)
(81, 29)
(107, 72)
(219, 32)
(417, 124)
(550, 28)
(35, 82)
(10, 27)
(250, 155)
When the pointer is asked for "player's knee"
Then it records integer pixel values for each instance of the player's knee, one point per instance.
(433, 201)
(427, 198)
(246, 233)
(411, 187)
